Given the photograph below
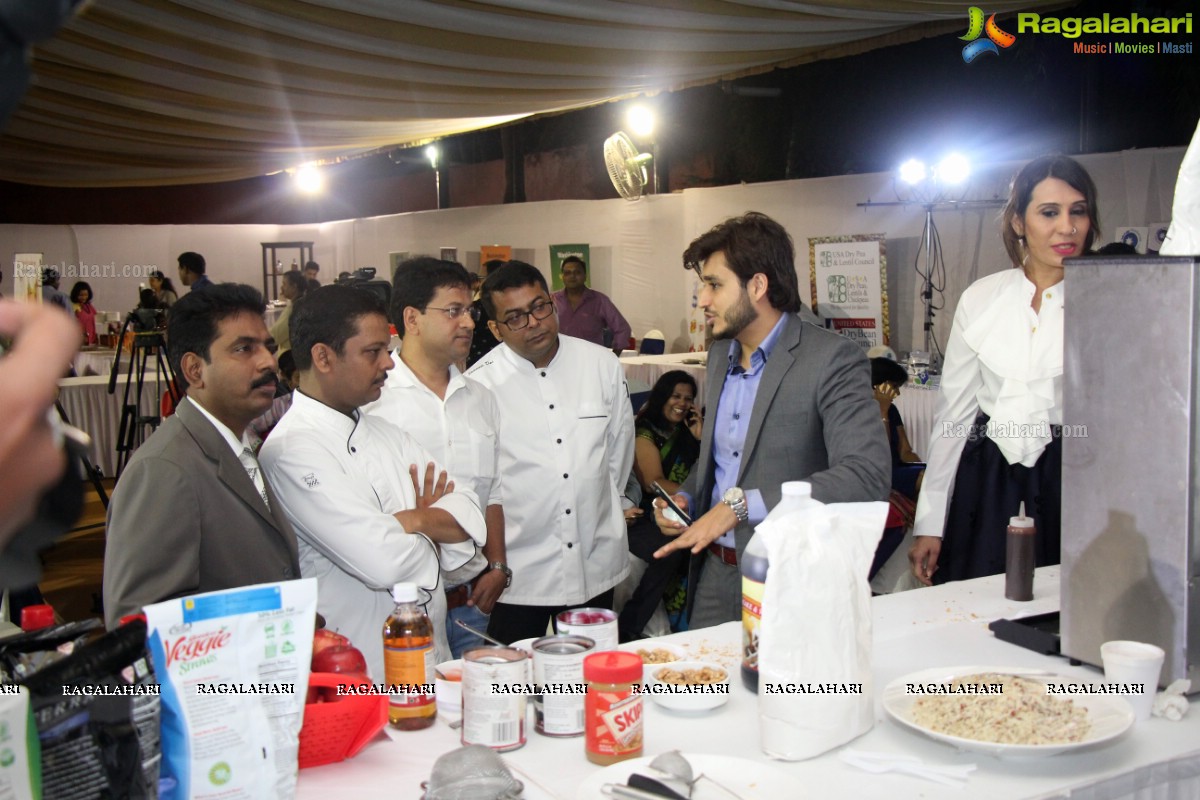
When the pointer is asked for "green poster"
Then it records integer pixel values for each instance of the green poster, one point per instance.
(558, 252)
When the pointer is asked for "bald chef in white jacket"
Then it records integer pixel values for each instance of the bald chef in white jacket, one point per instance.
(368, 509)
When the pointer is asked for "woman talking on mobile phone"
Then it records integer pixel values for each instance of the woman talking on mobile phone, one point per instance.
(997, 432)
(667, 444)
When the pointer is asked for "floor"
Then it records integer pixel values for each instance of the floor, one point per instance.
(74, 566)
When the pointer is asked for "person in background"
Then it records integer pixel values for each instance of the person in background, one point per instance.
(311, 268)
(787, 401)
(193, 512)
(370, 506)
(887, 379)
(51, 294)
(566, 449)
(292, 288)
(482, 341)
(262, 425)
(193, 271)
(85, 312)
(587, 314)
(164, 290)
(997, 432)
(453, 417)
(666, 445)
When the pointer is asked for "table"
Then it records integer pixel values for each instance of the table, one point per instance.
(917, 405)
(94, 361)
(90, 407)
(939, 626)
(642, 372)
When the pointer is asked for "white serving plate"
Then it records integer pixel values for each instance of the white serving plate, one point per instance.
(1110, 715)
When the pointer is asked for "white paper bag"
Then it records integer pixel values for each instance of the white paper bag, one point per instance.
(814, 658)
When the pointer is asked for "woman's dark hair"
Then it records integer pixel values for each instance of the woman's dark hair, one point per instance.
(753, 243)
(79, 287)
(664, 387)
(192, 324)
(417, 280)
(167, 286)
(884, 370)
(297, 280)
(329, 316)
(1067, 170)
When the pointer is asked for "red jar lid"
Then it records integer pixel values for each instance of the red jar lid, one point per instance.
(614, 666)
(34, 618)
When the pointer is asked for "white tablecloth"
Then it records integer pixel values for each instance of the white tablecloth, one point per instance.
(91, 408)
(642, 372)
(917, 405)
(94, 362)
(941, 626)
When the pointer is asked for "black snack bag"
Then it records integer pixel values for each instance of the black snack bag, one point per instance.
(97, 714)
(26, 653)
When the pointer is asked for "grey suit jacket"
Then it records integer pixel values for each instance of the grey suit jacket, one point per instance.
(814, 419)
(186, 518)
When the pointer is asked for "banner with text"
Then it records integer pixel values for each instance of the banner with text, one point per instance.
(559, 253)
(494, 252)
(848, 277)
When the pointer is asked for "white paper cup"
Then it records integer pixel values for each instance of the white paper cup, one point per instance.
(449, 690)
(1135, 663)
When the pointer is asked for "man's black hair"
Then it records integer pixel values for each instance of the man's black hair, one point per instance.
(513, 275)
(753, 243)
(192, 324)
(884, 370)
(329, 316)
(193, 262)
(491, 265)
(417, 280)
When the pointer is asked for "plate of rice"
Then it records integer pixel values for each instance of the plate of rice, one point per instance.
(1008, 712)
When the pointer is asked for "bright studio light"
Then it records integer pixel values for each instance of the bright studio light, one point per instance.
(953, 169)
(432, 154)
(309, 179)
(641, 121)
(912, 171)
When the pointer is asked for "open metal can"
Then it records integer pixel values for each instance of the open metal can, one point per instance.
(493, 693)
(558, 675)
(597, 624)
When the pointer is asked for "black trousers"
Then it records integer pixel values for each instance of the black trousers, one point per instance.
(644, 538)
(511, 623)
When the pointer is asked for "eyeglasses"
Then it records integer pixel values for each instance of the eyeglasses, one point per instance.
(520, 319)
(454, 312)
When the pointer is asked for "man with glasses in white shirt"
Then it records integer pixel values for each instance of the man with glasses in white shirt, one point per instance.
(452, 416)
(566, 448)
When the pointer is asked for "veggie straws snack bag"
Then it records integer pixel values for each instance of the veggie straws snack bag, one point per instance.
(234, 669)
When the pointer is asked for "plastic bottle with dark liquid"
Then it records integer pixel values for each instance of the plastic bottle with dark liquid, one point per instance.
(1020, 557)
(408, 661)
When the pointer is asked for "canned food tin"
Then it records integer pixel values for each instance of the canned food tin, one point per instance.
(493, 692)
(597, 624)
(558, 672)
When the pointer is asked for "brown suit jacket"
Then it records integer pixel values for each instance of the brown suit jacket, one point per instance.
(185, 518)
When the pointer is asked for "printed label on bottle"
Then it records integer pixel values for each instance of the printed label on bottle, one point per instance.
(407, 668)
(752, 596)
(615, 726)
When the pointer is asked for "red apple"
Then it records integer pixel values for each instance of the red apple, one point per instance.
(324, 638)
(342, 659)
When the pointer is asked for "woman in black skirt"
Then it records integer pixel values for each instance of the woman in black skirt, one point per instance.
(996, 438)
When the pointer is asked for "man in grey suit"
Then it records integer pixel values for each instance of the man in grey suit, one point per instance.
(786, 401)
(192, 511)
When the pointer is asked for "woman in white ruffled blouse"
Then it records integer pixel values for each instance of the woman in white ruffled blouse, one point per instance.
(996, 436)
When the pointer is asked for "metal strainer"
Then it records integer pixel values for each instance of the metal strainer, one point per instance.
(473, 772)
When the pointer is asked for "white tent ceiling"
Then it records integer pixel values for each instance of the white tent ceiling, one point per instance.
(153, 92)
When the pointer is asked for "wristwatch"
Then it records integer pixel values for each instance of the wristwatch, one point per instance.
(500, 565)
(735, 498)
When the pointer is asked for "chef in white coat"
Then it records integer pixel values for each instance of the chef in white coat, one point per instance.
(369, 505)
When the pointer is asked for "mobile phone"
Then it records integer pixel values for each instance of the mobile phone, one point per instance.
(671, 504)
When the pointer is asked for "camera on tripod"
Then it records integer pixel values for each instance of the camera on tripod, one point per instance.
(364, 278)
(147, 320)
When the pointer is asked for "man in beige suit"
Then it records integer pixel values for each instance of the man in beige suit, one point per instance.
(193, 512)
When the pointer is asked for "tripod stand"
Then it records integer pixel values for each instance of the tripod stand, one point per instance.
(148, 342)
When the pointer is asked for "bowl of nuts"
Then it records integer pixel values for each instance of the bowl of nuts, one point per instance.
(689, 685)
